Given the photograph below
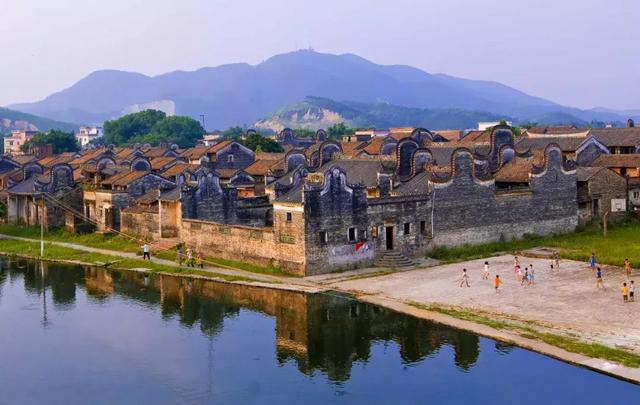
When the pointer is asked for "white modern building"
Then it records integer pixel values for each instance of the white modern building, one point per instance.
(88, 134)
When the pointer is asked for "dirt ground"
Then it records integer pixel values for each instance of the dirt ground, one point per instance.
(567, 299)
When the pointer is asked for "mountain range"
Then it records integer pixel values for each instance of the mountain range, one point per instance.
(237, 94)
(15, 120)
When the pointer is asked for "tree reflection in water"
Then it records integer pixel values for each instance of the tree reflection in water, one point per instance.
(323, 332)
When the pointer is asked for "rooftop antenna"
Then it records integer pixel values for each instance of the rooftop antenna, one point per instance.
(202, 119)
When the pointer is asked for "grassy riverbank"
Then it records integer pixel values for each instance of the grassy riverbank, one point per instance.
(60, 253)
(118, 243)
(568, 343)
(620, 243)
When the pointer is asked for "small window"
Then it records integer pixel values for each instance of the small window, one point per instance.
(289, 217)
(374, 232)
(364, 234)
(423, 227)
(324, 237)
(230, 158)
(407, 228)
(636, 194)
(352, 234)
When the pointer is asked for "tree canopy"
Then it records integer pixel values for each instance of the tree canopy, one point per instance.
(60, 141)
(154, 127)
(260, 143)
(336, 131)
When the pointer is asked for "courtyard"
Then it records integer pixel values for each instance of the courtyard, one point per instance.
(565, 301)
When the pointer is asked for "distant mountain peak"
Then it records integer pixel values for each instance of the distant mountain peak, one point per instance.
(239, 93)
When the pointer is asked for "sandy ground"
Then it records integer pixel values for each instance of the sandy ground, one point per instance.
(566, 299)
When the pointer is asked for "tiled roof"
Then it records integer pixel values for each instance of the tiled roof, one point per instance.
(567, 143)
(179, 168)
(213, 149)
(293, 196)
(156, 152)
(518, 169)
(476, 137)
(227, 173)
(416, 185)
(555, 130)
(259, 167)
(450, 134)
(606, 160)
(23, 159)
(159, 163)
(629, 137)
(195, 152)
(586, 173)
(372, 147)
(125, 177)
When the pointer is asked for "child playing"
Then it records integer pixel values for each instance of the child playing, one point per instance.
(465, 278)
(625, 293)
(599, 283)
(485, 272)
(496, 283)
(627, 268)
(632, 292)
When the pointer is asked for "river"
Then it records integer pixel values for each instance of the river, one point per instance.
(70, 334)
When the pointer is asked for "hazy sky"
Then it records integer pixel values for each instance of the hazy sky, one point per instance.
(582, 53)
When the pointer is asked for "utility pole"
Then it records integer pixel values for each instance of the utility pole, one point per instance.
(202, 119)
(42, 225)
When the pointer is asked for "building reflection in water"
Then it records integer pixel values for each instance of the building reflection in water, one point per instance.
(324, 332)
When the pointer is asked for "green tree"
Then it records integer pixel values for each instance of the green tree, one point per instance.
(257, 142)
(136, 125)
(304, 133)
(60, 141)
(183, 131)
(233, 133)
(336, 131)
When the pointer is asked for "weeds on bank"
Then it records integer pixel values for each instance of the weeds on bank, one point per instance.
(620, 243)
(115, 242)
(570, 344)
(171, 254)
(96, 240)
(55, 252)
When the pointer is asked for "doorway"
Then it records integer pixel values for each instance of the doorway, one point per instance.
(389, 237)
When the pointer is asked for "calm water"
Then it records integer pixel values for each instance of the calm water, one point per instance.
(75, 335)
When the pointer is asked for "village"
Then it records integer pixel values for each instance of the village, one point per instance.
(384, 197)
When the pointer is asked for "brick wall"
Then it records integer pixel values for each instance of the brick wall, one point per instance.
(253, 245)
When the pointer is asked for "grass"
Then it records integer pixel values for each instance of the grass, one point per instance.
(172, 254)
(620, 243)
(114, 242)
(97, 240)
(568, 343)
(55, 252)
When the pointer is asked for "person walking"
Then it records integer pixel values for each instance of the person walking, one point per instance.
(190, 257)
(525, 277)
(180, 253)
(496, 283)
(632, 292)
(531, 275)
(599, 282)
(519, 274)
(145, 252)
(625, 293)
(465, 278)
(592, 261)
(557, 260)
(627, 268)
(200, 259)
(485, 271)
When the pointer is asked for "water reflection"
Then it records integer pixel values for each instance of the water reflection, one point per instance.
(319, 332)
